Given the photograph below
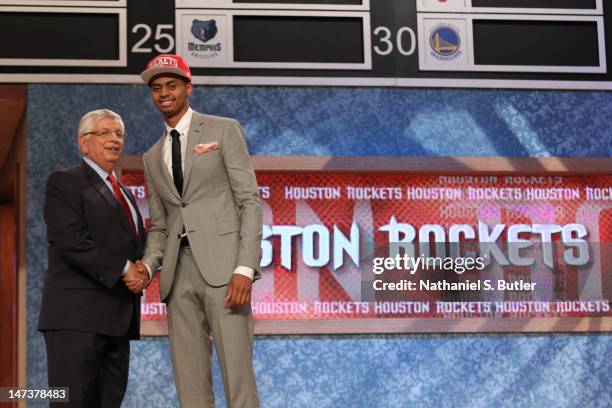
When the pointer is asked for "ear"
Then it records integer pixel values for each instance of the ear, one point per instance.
(83, 145)
(189, 88)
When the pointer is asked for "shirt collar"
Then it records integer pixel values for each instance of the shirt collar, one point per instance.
(183, 125)
(101, 172)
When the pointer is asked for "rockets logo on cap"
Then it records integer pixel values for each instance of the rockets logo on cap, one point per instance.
(166, 64)
(163, 61)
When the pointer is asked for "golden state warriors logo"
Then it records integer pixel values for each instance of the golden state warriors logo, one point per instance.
(445, 42)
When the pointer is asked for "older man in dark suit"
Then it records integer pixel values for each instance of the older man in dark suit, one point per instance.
(91, 296)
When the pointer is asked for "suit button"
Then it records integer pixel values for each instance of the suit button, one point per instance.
(101, 278)
(183, 205)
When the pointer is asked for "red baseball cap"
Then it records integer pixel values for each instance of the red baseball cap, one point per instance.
(166, 64)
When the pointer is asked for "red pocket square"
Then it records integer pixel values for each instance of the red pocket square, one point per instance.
(205, 147)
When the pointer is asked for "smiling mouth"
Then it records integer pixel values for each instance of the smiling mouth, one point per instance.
(113, 149)
(166, 103)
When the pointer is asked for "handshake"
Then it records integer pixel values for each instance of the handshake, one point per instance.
(137, 277)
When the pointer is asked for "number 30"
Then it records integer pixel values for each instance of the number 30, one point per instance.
(386, 40)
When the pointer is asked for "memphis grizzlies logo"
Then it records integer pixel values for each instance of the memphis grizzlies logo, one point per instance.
(202, 47)
(445, 42)
(204, 30)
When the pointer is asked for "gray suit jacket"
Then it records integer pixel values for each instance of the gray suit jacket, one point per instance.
(220, 207)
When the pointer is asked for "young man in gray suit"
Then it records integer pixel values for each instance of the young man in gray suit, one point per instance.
(205, 235)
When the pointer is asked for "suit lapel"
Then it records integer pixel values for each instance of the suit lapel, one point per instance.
(196, 130)
(130, 196)
(99, 185)
(128, 193)
(157, 152)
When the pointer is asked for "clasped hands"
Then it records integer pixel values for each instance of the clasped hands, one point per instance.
(238, 291)
(137, 277)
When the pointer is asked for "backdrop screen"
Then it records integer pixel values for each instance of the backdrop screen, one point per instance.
(371, 251)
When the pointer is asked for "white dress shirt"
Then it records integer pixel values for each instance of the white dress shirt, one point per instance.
(183, 128)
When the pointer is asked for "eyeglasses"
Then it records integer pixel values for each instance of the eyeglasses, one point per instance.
(105, 133)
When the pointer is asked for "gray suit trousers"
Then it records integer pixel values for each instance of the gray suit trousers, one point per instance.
(197, 317)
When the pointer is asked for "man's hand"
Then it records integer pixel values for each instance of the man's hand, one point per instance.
(238, 291)
(137, 277)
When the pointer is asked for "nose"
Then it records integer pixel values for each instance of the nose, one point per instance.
(115, 137)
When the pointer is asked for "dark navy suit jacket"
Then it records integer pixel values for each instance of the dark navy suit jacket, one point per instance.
(90, 240)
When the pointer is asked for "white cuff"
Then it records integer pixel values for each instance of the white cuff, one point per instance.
(126, 267)
(245, 271)
(148, 270)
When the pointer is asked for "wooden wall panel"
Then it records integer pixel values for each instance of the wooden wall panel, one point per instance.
(8, 295)
(13, 156)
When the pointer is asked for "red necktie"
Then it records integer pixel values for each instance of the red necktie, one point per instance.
(119, 196)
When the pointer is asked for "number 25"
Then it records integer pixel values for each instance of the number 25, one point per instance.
(159, 35)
